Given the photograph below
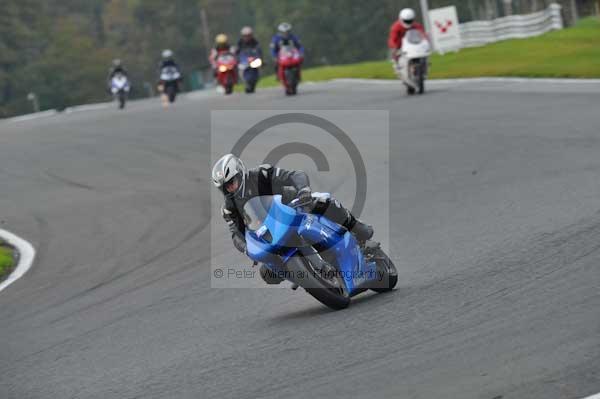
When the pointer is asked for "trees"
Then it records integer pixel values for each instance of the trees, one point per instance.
(21, 41)
(61, 49)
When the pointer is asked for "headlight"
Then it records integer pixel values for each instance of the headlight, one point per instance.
(256, 63)
(264, 234)
(222, 68)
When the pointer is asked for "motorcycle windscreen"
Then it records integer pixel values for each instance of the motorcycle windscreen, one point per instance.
(226, 58)
(269, 224)
(169, 73)
(256, 210)
(270, 220)
(289, 52)
(120, 82)
(413, 36)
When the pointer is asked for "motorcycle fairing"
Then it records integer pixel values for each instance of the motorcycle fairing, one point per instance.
(283, 223)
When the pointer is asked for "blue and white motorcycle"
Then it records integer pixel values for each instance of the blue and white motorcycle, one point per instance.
(313, 252)
(249, 65)
(170, 77)
(119, 87)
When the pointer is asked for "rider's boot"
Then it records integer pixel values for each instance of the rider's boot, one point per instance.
(334, 211)
(361, 231)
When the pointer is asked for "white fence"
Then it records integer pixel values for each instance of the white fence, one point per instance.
(478, 33)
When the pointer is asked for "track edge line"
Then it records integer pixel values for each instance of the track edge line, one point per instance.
(26, 257)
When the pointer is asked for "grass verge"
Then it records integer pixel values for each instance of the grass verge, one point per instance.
(7, 261)
(567, 53)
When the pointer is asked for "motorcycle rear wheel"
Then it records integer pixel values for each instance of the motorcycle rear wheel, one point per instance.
(385, 265)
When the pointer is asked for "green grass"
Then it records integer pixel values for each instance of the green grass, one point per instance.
(6, 261)
(568, 53)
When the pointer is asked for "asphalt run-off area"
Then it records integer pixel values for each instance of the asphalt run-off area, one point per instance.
(494, 226)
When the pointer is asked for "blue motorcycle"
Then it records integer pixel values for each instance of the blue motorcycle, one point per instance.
(249, 65)
(313, 252)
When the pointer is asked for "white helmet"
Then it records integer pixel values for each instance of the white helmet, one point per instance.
(226, 169)
(407, 16)
(167, 53)
(246, 31)
(284, 27)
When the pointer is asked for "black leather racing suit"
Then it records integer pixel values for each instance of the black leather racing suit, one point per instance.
(269, 180)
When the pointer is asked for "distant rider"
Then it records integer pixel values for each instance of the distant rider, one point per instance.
(222, 46)
(247, 41)
(168, 61)
(239, 185)
(284, 37)
(406, 21)
(117, 67)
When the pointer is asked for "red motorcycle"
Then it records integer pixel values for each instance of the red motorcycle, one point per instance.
(289, 61)
(227, 71)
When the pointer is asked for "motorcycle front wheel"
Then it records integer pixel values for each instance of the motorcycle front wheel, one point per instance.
(251, 79)
(229, 85)
(171, 93)
(291, 79)
(251, 86)
(326, 287)
(421, 79)
(121, 100)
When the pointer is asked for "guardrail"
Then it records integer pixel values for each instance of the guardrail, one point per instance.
(478, 33)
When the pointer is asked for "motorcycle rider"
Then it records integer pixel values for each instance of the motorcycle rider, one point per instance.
(168, 61)
(247, 41)
(117, 67)
(239, 185)
(284, 37)
(405, 21)
(221, 47)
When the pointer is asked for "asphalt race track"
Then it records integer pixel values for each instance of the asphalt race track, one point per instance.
(495, 229)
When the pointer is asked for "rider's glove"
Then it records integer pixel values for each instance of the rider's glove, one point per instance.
(304, 196)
